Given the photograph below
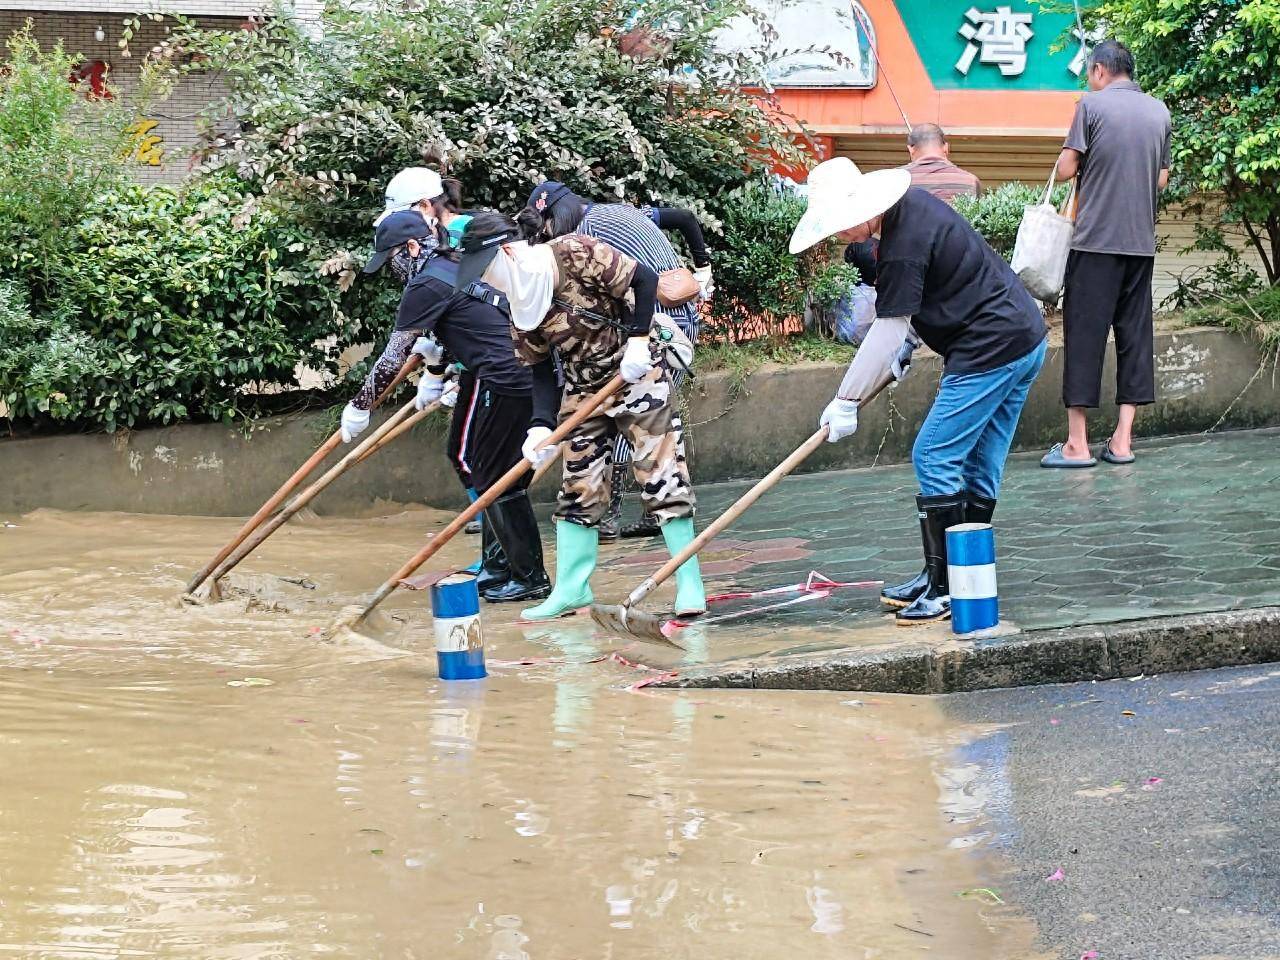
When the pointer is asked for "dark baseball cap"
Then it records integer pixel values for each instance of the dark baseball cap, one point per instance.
(547, 194)
(393, 230)
(481, 241)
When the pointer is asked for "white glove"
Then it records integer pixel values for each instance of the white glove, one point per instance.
(429, 389)
(536, 436)
(637, 360)
(354, 422)
(430, 351)
(705, 282)
(449, 399)
(841, 416)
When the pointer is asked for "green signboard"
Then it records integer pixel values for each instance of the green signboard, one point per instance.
(982, 45)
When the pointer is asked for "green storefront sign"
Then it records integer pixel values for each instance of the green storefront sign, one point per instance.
(982, 45)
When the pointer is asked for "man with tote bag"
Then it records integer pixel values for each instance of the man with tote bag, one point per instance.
(1118, 146)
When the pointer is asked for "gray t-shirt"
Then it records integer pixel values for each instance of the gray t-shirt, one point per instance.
(1124, 137)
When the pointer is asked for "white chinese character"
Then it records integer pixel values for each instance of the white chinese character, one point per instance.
(1094, 37)
(1002, 37)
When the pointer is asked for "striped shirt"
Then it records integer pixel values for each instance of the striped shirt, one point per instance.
(943, 178)
(629, 230)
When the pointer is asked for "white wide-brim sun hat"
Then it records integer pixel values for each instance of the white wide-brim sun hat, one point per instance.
(841, 197)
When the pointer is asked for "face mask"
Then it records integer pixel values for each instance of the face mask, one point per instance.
(406, 267)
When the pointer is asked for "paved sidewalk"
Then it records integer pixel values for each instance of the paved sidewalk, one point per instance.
(1190, 528)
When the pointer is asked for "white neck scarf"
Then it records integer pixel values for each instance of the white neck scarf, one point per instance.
(528, 278)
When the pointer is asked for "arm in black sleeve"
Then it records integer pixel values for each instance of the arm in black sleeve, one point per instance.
(644, 286)
(687, 225)
(546, 394)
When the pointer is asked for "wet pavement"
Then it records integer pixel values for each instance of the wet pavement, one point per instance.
(1139, 817)
(1192, 527)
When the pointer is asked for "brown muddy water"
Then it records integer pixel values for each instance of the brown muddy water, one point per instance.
(221, 782)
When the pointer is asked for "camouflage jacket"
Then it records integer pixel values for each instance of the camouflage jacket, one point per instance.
(588, 316)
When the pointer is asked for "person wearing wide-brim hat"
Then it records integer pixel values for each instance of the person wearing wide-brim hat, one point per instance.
(938, 282)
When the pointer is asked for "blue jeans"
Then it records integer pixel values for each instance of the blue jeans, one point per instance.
(963, 443)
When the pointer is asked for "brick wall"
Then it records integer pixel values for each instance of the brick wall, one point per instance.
(175, 118)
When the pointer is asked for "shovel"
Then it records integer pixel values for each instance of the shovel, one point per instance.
(292, 483)
(405, 413)
(624, 620)
(353, 617)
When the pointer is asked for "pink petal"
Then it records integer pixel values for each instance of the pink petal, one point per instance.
(1055, 721)
(1089, 955)
(1056, 876)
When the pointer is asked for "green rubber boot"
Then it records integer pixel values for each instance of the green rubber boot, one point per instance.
(577, 548)
(691, 598)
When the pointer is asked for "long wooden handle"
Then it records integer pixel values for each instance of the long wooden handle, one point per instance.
(504, 483)
(763, 486)
(311, 492)
(294, 480)
(405, 426)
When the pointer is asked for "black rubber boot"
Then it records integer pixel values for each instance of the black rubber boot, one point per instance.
(494, 568)
(978, 509)
(934, 602)
(517, 528)
(904, 594)
(611, 524)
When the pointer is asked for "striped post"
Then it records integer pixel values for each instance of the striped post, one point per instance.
(971, 572)
(455, 608)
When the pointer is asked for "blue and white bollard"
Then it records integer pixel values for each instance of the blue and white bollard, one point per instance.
(455, 608)
(971, 572)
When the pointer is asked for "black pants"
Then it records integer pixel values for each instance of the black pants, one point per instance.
(498, 432)
(1106, 291)
(462, 429)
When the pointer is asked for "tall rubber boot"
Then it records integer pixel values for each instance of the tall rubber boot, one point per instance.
(691, 597)
(516, 528)
(476, 567)
(611, 523)
(494, 568)
(978, 509)
(577, 549)
(935, 602)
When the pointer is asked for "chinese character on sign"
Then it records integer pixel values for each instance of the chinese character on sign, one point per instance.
(148, 146)
(1091, 37)
(1000, 38)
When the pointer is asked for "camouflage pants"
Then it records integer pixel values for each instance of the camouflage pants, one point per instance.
(643, 413)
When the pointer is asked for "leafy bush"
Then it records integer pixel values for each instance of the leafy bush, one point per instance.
(1226, 278)
(997, 213)
(58, 150)
(760, 287)
(1257, 317)
(620, 101)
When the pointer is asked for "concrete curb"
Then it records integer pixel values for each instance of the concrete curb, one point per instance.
(1166, 645)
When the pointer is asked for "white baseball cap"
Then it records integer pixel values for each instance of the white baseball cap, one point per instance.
(411, 185)
(841, 196)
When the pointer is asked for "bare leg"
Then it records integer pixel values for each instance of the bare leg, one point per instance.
(1122, 439)
(1077, 445)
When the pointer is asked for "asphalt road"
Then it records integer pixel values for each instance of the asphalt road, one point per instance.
(1163, 823)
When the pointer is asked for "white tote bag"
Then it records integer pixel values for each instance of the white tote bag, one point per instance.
(1040, 252)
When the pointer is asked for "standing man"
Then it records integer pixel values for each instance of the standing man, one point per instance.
(938, 280)
(1118, 145)
(931, 166)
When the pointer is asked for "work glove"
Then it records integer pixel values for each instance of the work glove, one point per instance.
(449, 399)
(536, 436)
(429, 389)
(841, 417)
(354, 422)
(637, 360)
(429, 350)
(900, 366)
(705, 282)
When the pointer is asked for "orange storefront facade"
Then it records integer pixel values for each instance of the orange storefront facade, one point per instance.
(1003, 122)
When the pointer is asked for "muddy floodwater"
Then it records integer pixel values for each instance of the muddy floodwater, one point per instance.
(221, 781)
